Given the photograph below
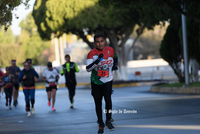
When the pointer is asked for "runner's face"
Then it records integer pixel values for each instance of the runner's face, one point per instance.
(67, 59)
(13, 63)
(100, 43)
(50, 68)
(26, 66)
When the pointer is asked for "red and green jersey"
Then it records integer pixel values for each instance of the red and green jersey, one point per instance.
(102, 72)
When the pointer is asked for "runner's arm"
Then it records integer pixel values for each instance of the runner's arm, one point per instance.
(36, 74)
(18, 71)
(62, 72)
(44, 76)
(91, 65)
(20, 77)
(12, 79)
(115, 62)
(76, 68)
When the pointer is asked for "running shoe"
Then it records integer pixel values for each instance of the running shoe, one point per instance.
(29, 113)
(10, 107)
(49, 103)
(6, 103)
(32, 110)
(53, 109)
(109, 125)
(101, 130)
(71, 106)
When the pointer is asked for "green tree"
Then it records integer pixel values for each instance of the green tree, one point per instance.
(173, 5)
(6, 37)
(30, 41)
(171, 48)
(6, 8)
(10, 52)
(8, 49)
(172, 45)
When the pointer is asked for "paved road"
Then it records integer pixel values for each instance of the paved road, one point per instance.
(141, 112)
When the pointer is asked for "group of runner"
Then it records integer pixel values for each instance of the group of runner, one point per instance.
(10, 82)
(101, 61)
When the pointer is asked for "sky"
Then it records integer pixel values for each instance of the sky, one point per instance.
(21, 13)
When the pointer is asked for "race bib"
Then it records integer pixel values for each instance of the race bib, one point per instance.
(52, 84)
(103, 72)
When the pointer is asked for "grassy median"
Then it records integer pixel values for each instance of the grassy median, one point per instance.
(195, 84)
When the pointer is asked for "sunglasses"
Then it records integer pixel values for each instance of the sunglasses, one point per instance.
(25, 65)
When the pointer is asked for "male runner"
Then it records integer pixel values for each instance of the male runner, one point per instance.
(101, 61)
(15, 71)
(69, 69)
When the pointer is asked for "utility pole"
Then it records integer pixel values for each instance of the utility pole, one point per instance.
(185, 49)
(57, 50)
(61, 50)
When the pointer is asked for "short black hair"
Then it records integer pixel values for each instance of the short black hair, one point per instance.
(29, 61)
(13, 60)
(67, 55)
(49, 64)
(98, 35)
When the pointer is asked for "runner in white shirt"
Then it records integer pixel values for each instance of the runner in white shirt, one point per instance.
(51, 76)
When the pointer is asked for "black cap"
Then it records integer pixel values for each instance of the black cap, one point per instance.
(29, 61)
(49, 64)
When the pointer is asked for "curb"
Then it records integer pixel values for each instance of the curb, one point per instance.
(179, 90)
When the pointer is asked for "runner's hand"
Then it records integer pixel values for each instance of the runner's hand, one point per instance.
(36, 80)
(17, 73)
(100, 57)
(24, 77)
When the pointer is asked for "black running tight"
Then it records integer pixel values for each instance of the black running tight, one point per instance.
(8, 92)
(98, 91)
(71, 88)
